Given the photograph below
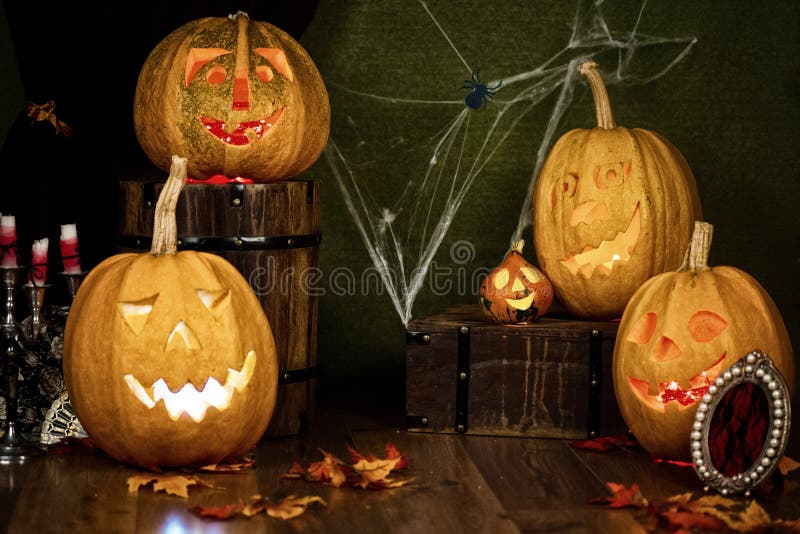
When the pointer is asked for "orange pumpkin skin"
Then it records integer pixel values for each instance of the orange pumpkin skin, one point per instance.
(515, 291)
(203, 94)
(678, 326)
(182, 318)
(605, 191)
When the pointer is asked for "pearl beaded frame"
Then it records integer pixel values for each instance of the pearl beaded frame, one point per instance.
(756, 368)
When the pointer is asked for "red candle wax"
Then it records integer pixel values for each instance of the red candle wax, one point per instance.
(38, 273)
(69, 249)
(8, 241)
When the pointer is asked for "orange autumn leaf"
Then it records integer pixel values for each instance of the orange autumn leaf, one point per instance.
(170, 484)
(286, 508)
(291, 506)
(367, 471)
(230, 467)
(218, 512)
(392, 453)
(622, 497)
(374, 471)
(330, 469)
(692, 520)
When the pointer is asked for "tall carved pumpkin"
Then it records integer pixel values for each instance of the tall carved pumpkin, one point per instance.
(681, 330)
(168, 357)
(612, 207)
(234, 96)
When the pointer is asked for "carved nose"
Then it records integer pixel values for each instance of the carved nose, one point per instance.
(588, 212)
(182, 337)
(665, 350)
(241, 90)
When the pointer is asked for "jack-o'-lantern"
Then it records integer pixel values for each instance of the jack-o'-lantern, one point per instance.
(168, 356)
(679, 331)
(234, 96)
(612, 207)
(515, 291)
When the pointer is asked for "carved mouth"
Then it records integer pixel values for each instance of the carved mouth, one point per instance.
(238, 137)
(608, 253)
(187, 400)
(672, 391)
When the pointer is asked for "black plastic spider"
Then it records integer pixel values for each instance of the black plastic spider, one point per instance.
(480, 91)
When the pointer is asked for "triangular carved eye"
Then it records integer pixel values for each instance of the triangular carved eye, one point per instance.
(136, 312)
(216, 301)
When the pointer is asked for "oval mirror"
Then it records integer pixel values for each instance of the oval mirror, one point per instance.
(741, 426)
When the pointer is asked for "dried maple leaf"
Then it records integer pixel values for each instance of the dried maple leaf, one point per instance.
(356, 456)
(231, 466)
(291, 506)
(392, 453)
(605, 443)
(787, 465)
(171, 484)
(692, 520)
(330, 469)
(374, 471)
(367, 471)
(623, 497)
(218, 512)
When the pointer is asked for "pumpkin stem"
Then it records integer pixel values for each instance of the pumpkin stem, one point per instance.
(518, 246)
(696, 258)
(602, 105)
(233, 16)
(165, 228)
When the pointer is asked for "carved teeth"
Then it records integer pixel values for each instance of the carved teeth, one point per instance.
(607, 253)
(190, 401)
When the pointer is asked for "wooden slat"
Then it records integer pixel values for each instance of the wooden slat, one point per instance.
(74, 493)
(448, 494)
(542, 486)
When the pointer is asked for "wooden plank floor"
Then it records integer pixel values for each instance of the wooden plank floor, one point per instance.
(462, 484)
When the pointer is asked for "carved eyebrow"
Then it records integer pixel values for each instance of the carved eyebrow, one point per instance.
(197, 57)
(277, 57)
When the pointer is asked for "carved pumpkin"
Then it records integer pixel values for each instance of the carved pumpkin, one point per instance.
(168, 357)
(679, 331)
(234, 96)
(515, 291)
(612, 207)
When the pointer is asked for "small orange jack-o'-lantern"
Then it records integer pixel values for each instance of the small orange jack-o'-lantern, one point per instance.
(679, 331)
(612, 207)
(168, 357)
(515, 291)
(236, 97)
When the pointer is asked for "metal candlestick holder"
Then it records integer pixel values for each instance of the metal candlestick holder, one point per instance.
(16, 338)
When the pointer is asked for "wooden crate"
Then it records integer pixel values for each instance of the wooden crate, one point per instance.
(551, 378)
(271, 233)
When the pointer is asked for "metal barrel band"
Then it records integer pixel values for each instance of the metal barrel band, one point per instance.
(211, 244)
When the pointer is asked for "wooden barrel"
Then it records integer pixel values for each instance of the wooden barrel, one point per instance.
(271, 233)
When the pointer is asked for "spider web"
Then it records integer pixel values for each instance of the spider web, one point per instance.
(403, 194)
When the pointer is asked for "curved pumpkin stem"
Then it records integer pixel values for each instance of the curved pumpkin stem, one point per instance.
(518, 246)
(602, 105)
(696, 258)
(165, 227)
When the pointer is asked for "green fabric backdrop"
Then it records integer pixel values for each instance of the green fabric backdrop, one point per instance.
(731, 106)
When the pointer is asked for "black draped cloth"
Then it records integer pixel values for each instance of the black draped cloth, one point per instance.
(86, 57)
